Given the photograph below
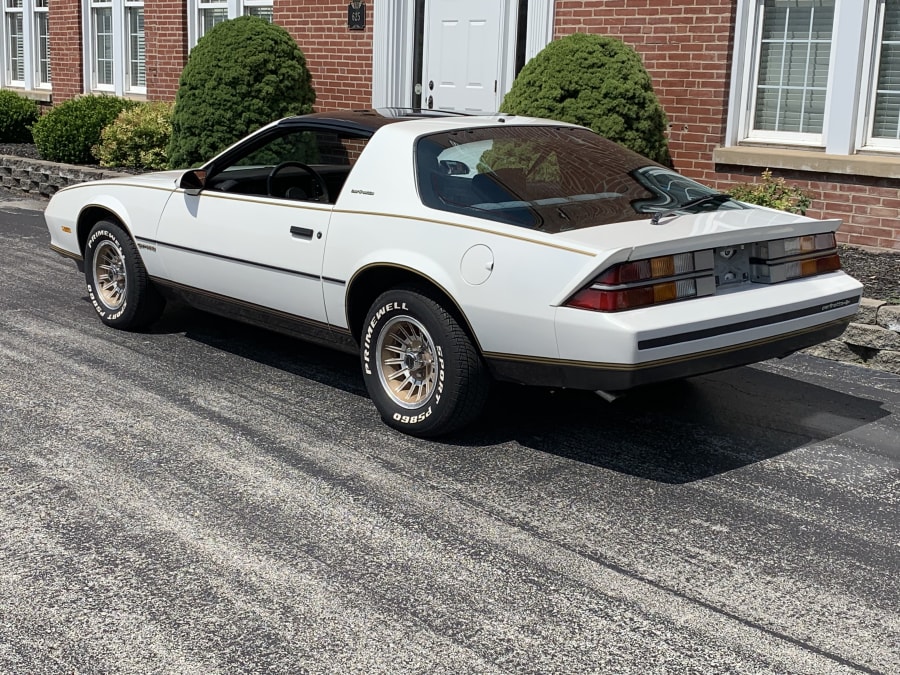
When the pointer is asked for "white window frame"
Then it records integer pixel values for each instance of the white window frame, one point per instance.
(852, 62)
(31, 47)
(235, 8)
(121, 71)
(873, 48)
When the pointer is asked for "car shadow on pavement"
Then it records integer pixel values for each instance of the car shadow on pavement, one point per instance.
(676, 432)
(304, 359)
(682, 431)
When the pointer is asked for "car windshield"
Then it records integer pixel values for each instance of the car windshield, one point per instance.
(551, 178)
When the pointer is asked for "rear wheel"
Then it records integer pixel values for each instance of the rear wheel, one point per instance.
(420, 367)
(117, 281)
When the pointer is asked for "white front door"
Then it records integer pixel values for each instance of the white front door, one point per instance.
(463, 55)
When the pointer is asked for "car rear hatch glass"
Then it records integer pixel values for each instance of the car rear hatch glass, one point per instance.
(552, 178)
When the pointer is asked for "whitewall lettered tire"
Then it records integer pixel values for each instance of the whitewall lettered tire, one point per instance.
(421, 369)
(117, 281)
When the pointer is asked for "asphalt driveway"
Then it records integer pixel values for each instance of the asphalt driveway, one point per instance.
(212, 498)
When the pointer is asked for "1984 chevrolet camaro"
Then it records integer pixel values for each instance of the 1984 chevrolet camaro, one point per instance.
(448, 251)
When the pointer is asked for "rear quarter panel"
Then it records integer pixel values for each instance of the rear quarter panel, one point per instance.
(510, 312)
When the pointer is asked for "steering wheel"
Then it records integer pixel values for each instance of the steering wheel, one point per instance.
(320, 182)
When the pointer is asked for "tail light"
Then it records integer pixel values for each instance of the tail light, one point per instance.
(772, 262)
(649, 282)
(653, 281)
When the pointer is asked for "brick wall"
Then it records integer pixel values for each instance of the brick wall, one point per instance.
(165, 34)
(66, 49)
(339, 59)
(686, 46)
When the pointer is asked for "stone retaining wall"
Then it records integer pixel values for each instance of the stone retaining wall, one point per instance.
(872, 340)
(38, 178)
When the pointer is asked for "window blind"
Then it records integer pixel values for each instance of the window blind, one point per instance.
(136, 48)
(42, 46)
(794, 58)
(15, 45)
(103, 41)
(886, 115)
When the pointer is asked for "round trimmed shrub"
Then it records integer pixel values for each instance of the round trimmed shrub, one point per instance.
(69, 130)
(17, 114)
(596, 81)
(243, 74)
(137, 138)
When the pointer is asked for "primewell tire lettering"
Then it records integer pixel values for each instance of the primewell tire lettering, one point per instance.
(413, 419)
(101, 310)
(370, 330)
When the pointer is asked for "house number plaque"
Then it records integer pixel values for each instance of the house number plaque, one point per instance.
(356, 15)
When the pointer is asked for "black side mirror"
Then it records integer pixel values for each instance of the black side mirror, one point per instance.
(452, 167)
(193, 181)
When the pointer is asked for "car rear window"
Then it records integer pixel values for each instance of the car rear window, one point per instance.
(552, 178)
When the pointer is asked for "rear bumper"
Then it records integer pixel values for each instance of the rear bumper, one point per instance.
(617, 377)
(622, 350)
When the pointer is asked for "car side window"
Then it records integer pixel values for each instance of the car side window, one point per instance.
(297, 164)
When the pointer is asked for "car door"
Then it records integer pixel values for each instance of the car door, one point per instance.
(255, 233)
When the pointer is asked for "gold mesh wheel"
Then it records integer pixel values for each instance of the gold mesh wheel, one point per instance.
(406, 361)
(109, 274)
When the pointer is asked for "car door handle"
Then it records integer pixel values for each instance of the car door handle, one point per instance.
(302, 232)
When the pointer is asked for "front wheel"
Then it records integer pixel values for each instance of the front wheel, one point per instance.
(420, 367)
(117, 282)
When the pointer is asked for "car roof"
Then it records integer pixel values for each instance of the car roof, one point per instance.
(369, 120)
(415, 121)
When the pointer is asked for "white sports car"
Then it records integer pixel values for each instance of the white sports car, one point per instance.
(449, 250)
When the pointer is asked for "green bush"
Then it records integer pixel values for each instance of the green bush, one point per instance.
(243, 74)
(774, 193)
(137, 138)
(596, 81)
(17, 114)
(69, 131)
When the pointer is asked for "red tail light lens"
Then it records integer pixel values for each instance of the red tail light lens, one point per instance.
(650, 268)
(653, 281)
(650, 281)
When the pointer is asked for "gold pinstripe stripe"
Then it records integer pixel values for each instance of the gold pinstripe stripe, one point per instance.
(474, 228)
(66, 254)
(354, 212)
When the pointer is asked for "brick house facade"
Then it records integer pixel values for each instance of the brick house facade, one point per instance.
(698, 52)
